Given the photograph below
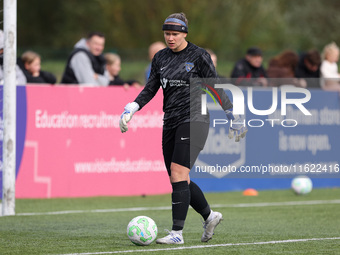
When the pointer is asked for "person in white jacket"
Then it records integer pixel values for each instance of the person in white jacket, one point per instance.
(329, 68)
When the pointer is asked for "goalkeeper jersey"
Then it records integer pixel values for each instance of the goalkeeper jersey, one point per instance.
(173, 71)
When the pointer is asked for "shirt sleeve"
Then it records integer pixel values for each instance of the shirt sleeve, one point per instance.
(103, 80)
(20, 76)
(48, 77)
(208, 71)
(329, 70)
(82, 68)
(238, 71)
(151, 87)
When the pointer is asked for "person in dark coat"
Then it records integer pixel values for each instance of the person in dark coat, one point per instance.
(249, 70)
(309, 68)
(30, 64)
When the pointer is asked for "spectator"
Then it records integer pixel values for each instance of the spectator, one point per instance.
(86, 64)
(214, 60)
(113, 66)
(153, 49)
(20, 77)
(213, 56)
(30, 65)
(309, 68)
(281, 70)
(329, 68)
(250, 67)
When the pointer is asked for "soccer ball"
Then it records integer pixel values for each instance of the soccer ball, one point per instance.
(302, 185)
(142, 230)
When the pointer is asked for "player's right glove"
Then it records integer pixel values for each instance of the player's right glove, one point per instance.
(237, 126)
(129, 111)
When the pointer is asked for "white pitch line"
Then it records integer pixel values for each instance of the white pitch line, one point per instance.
(209, 246)
(162, 208)
(312, 202)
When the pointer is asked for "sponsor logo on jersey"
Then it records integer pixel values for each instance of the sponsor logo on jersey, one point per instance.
(173, 83)
(164, 81)
(188, 66)
(185, 138)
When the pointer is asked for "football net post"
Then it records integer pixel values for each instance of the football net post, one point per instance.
(9, 107)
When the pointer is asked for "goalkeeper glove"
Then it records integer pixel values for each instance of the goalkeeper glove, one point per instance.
(129, 111)
(237, 126)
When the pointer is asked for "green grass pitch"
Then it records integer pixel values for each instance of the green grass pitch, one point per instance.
(249, 226)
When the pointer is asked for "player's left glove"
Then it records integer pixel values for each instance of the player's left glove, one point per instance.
(129, 111)
(237, 126)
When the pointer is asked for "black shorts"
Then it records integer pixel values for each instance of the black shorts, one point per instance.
(183, 144)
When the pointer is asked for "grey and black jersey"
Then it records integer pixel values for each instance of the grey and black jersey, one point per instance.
(173, 71)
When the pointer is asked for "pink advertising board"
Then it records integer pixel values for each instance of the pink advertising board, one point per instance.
(73, 146)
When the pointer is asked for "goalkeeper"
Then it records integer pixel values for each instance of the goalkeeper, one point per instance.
(172, 68)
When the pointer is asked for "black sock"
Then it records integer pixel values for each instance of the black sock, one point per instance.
(180, 204)
(198, 201)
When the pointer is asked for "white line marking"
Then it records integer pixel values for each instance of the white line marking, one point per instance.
(37, 178)
(311, 202)
(162, 208)
(209, 246)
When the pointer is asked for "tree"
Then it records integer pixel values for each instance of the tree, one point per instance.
(226, 26)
